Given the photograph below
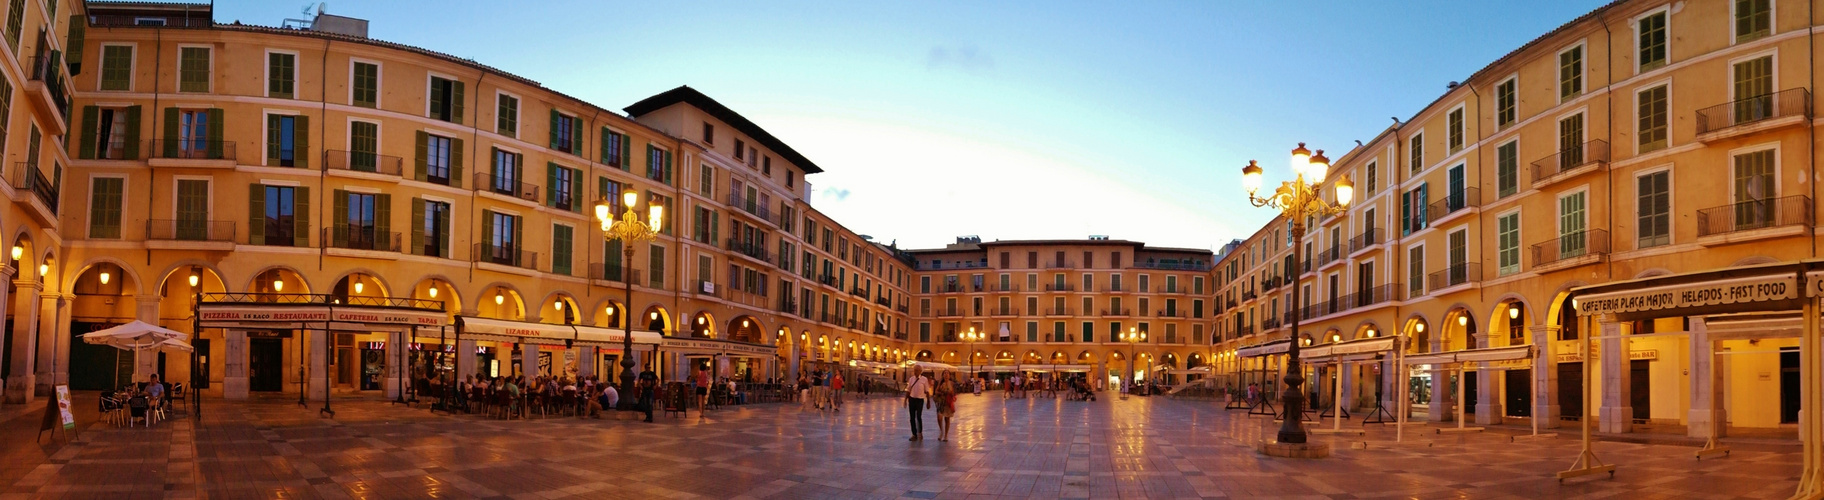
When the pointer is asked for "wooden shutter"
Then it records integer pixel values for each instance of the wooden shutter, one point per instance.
(77, 32)
(626, 149)
(437, 98)
(300, 214)
(611, 261)
(383, 222)
(86, 150)
(171, 133)
(561, 245)
(443, 226)
(456, 101)
(300, 141)
(555, 120)
(576, 138)
(338, 222)
(667, 168)
(421, 164)
(256, 219)
(607, 138)
(576, 191)
(487, 234)
(551, 184)
(456, 162)
(417, 224)
(131, 134)
(715, 226)
(273, 123)
(215, 133)
(519, 243)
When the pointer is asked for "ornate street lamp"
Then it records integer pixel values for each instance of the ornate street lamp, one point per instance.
(630, 231)
(1296, 200)
(970, 338)
(1133, 336)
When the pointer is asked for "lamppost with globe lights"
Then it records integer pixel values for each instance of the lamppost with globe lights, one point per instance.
(630, 231)
(1296, 200)
(1133, 336)
(970, 338)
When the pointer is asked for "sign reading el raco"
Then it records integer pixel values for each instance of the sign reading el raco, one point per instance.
(1733, 291)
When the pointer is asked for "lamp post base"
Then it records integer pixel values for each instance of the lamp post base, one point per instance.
(1292, 450)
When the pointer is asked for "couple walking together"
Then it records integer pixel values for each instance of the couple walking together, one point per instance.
(922, 393)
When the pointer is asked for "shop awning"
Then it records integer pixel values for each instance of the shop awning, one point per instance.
(932, 365)
(500, 330)
(708, 346)
(1353, 350)
(1274, 347)
(1472, 355)
(1684, 295)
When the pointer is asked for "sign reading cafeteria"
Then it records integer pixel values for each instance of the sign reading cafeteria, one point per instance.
(1733, 291)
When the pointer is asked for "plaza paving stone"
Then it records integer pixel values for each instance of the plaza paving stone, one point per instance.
(1145, 447)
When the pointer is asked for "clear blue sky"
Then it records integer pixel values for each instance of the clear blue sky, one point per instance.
(1008, 120)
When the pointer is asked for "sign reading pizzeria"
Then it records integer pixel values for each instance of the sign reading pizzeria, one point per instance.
(1710, 293)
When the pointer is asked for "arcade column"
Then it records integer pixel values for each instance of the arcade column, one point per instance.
(234, 364)
(1617, 410)
(1443, 406)
(1706, 385)
(528, 360)
(1545, 376)
(389, 379)
(24, 351)
(1488, 390)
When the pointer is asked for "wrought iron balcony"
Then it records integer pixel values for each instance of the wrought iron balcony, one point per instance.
(1579, 244)
(1055, 287)
(756, 251)
(190, 230)
(353, 237)
(1058, 311)
(1117, 312)
(1456, 274)
(1369, 237)
(1756, 214)
(359, 161)
(1786, 103)
(1590, 153)
(506, 255)
(190, 149)
(1453, 203)
(29, 178)
(506, 185)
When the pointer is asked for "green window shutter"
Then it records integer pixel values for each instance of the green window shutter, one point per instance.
(519, 244)
(456, 151)
(131, 136)
(487, 230)
(383, 220)
(560, 249)
(456, 101)
(551, 184)
(601, 190)
(667, 168)
(171, 133)
(649, 165)
(300, 210)
(626, 149)
(338, 232)
(417, 224)
(576, 190)
(576, 138)
(437, 97)
(606, 136)
(86, 150)
(256, 219)
(272, 137)
(715, 226)
(104, 208)
(443, 226)
(655, 269)
(611, 260)
(555, 117)
(300, 141)
(78, 31)
(421, 162)
(215, 134)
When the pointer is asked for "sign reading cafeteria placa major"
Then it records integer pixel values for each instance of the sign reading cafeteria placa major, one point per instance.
(711, 346)
(319, 314)
(1709, 293)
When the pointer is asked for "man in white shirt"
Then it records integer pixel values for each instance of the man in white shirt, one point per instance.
(918, 395)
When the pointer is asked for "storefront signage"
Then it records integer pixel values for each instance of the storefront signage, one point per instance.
(215, 315)
(716, 346)
(1640, 355)
(1710, 293)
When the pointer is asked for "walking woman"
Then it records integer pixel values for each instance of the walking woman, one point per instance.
(946, 406)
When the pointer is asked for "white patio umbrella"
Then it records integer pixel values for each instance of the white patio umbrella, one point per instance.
(137, 336)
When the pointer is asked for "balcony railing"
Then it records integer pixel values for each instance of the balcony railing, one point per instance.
(1571, 246)
(706, 287)
(190, 149)
(1455, 274)
(614, 272)
(1173, 266)
(1005, 311)
(1371, 296)
(751, 250)
(50, 70)
(1269, 323)
(1589, 153)
(1790, 102)
(1369, 237)
(359, 161)
(788, 306)
(1117, 312)
(1164, 313)
(1453, 203)
(1060, 265)
(359, 238)
(1328, 255)
(998, 288)
(506, 255)
(1054, 287)
(752, 206)
(190, 230)
(28, 177)
(1756, 214)
(949, 313)
(199, 18)
(947, 288)
(1058, 312)
(507, 186)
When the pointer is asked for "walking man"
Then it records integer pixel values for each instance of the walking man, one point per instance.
(918, 395)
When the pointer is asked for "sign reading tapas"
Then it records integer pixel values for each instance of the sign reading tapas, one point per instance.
(318, 314)
(714, 346)
(1734, 291)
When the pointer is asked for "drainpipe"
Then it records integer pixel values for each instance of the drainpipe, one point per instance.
(158, 40)
(1608, 99)
(323, 167)
(474, 145)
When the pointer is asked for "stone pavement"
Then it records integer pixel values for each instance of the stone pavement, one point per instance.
(1146, 447)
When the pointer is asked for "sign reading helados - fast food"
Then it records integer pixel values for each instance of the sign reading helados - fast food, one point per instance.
(1708, 293)
(253, 314)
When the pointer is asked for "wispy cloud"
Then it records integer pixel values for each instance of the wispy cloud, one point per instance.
(966, 58)
(835, 193)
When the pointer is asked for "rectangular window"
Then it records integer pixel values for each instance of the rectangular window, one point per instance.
(445, 100)
(280, 220)
(355, 227)
(1415, 272)
(116, 67)
(740, 149)
(1570, 142)
(502, 238)
(1374, 179)
(1418, 152)
(286, 141)
(614, 149)
(1653, 118)
(1753, 87)
(15, 24)
(433, 228)
(192, 222)
(1089, 332)
(1454, 130)
(112, 131)
(194, 134)
(1507, 168)
(561, 246)
(566, 133)
(1032, 331)
(658, 165)
(655, 267)
(564, 188)
(506, 115)
(1506, 102)
(363, 146)
(1570, 73)
(438, 159)
(1652, 41)
(364, 87)
(1571, 238)
(104, 207)
(1654, 205)
(1753, 19)
(1508, 236)
(193, 69)
(281, 75)
(709, 133)
(1753, 189)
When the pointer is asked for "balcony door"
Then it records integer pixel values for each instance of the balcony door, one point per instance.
(1456, 188)
(1571, 241)
(1753, 189)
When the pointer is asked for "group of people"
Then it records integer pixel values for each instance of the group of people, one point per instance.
(924, 393)
(821, 389)
(595, 395)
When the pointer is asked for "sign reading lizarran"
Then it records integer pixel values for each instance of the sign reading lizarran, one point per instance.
(1709, 293)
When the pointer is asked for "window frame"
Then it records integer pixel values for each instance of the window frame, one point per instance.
(1773, 15)
(1519, 242)
(176, 191)
(1638, 115)
(1671, 203)
(379, 76)
(208, 81)
(1460, 130)
(1583, 71)
(519, 112)
(1773, 55)
(1732, 154)
(1514, 80)
(1666, 60)
(430, 80)
(101, 64)
(265, 131)
(266, 73)
(89, 204)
